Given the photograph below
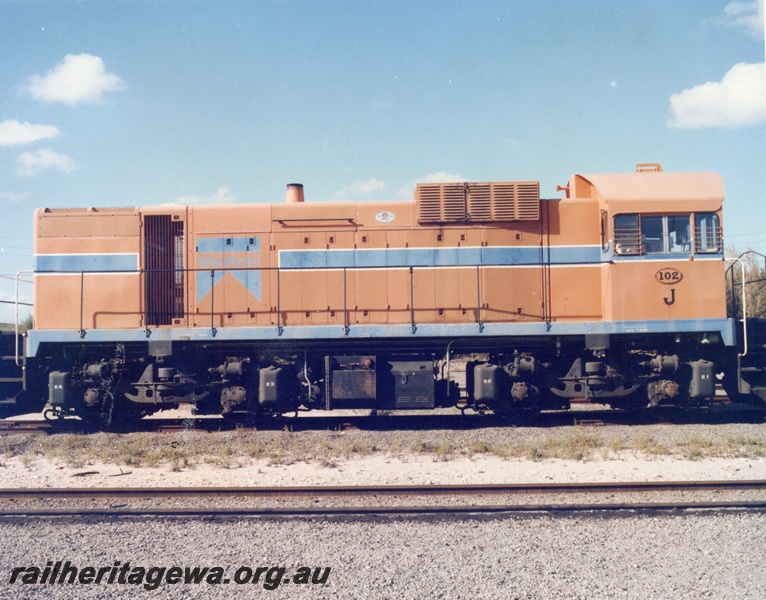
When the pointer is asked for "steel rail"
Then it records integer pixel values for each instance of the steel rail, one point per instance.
(25, 427)
(357, 511)
(385, 491)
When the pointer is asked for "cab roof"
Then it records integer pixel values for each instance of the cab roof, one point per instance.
(651, 191)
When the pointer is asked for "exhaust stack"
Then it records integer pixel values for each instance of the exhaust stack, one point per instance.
(294, 192)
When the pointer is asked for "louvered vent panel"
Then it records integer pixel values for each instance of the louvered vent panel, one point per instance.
(440, 202)
(503, 201)
(528, 201)
(453, 202)
(479, 202)
(429, 203)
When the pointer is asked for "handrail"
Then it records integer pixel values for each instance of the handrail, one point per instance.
(341, 221)
(16, 308)
(744, 311)
(82, 302)
(478, 299)
(345, 303)
(449, 350)
(212, 302)
(412, 300)
(279, 307)
(744, 293)
(276, 291)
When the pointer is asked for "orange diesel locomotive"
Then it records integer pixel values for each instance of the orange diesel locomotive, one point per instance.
(614, 293)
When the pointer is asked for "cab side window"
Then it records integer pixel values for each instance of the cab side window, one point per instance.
(627, 235)
(707, 233)
(678, 240)
(666, 234)
(652, 234)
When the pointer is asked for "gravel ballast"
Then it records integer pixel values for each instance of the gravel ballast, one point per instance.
(690, 554)
(719, 555)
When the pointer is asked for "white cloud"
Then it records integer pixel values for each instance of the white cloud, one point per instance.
(222, 195)
(362, 188)
(748, 15)
(14, 133)
(738, 99)
(408, 191)
(78, 78)
(441, 177)
(30, 164)
(14, 197)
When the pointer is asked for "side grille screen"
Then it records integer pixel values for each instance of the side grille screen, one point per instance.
(164, 269)
(479, 202)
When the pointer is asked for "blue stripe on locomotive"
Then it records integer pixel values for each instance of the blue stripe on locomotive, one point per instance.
(85, 263)
(439, 257)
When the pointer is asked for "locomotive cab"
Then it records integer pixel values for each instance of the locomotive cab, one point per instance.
(663, 284)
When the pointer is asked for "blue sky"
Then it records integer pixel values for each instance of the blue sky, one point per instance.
(125, 103)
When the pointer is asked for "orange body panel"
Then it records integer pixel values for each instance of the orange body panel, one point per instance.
(109, 302)
(304, 264)
(634, 293)
(91, 299)
(575, 291)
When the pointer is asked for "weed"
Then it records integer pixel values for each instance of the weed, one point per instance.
(443, 452)
(240, 447)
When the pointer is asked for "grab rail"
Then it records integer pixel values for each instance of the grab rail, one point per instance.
(277, 295)
(16, 307)
(730, 268)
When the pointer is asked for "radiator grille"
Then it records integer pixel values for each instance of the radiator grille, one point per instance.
(480, 202)
(164, 268)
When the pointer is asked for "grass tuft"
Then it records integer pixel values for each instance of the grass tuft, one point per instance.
(238, 448)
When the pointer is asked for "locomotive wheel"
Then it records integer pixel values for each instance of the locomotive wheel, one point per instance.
(525, 411)
(635, 402)
(518, 416)
(239, 419)
(98, 417)
(112, 415)
(516, 413)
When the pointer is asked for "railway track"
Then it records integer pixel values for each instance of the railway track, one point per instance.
(583, 418)
(388, 490)
(10, 500)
